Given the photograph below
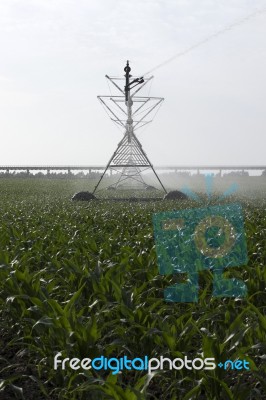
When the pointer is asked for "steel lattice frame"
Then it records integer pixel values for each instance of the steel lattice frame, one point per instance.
(129, 159)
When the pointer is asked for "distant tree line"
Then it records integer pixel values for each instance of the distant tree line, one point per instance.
(96, 174)
(51, 175)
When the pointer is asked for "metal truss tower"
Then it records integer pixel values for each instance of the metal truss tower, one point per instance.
(129, 111)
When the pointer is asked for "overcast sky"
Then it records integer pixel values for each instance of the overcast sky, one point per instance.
(55, 54)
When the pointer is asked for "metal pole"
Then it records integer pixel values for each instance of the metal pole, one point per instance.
(129, 103)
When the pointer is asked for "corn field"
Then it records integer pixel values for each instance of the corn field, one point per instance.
(82, 278)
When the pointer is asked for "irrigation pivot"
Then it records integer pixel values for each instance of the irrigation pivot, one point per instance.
(129, 110)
